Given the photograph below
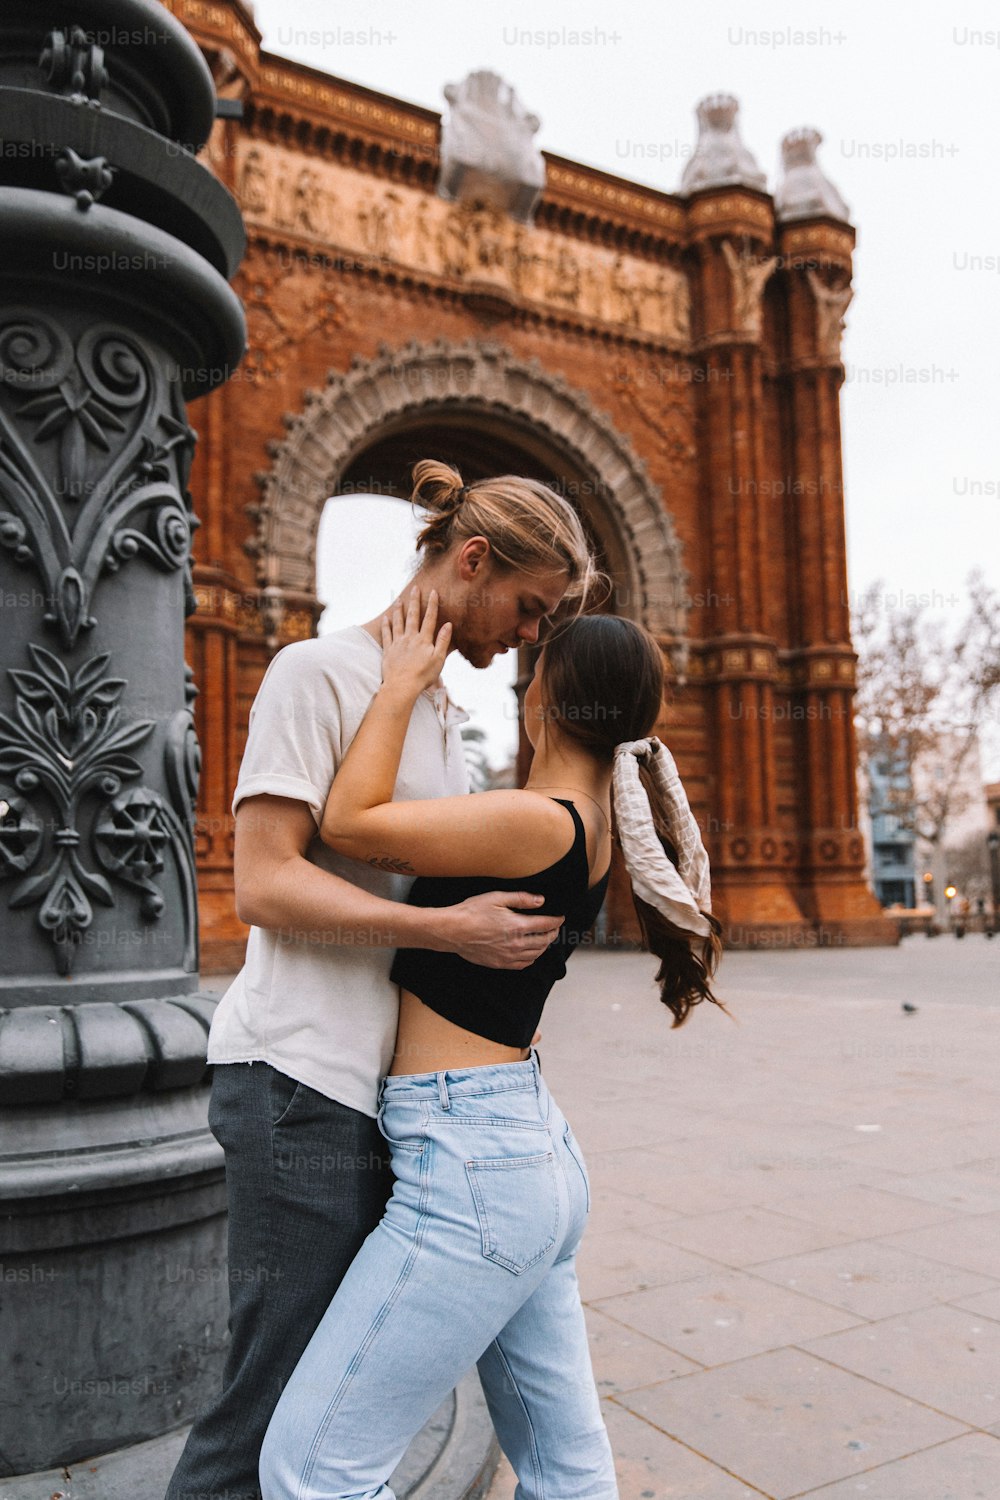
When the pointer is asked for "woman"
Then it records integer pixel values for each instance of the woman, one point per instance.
(474, 1258)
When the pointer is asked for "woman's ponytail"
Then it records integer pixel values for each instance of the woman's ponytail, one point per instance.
(668, 870)
(602, 686)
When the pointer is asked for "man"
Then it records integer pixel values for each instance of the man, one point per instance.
(305, 1033)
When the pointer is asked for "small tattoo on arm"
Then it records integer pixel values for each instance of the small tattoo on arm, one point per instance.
(391, 866)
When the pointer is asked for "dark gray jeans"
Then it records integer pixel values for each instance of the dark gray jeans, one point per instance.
(307, 1180)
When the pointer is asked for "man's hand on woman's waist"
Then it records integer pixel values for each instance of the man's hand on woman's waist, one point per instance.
(494, 930)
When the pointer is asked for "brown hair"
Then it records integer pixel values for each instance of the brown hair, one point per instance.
(529, 527)
(602, 683)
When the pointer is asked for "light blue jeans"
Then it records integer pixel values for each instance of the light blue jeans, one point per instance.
(473, 1262)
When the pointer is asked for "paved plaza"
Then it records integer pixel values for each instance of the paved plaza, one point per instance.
(792, 1269)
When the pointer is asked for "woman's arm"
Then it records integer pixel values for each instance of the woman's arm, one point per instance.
(277, 887)
(504, 833)
(412, 658)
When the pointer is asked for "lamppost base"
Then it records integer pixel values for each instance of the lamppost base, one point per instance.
(453, 1457)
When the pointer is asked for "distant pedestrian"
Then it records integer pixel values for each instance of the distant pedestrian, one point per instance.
(960, 914)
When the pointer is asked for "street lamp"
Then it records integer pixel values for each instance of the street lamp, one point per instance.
(993, 844)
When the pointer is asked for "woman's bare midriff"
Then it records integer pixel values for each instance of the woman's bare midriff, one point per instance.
(427, 1043)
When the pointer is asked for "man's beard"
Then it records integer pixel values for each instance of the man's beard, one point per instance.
(478, 654)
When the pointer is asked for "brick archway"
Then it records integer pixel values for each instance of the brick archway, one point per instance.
(425, 381)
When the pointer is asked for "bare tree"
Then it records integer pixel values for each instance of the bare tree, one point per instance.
(984, 621)
(922, 702)
(969, 868)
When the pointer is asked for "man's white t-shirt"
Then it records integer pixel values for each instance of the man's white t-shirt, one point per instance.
(320, 1011)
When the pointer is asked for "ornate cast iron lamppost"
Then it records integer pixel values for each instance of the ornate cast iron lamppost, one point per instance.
(115, 249)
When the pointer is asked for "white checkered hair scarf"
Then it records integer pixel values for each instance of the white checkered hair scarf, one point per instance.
(682, 893)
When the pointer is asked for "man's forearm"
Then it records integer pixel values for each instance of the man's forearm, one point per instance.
(313, 906)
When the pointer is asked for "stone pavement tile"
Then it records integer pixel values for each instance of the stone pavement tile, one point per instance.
(944, 1356)
(652, 1466)
(915, 1090)
(649, 1465)
(665, 1109)
(969, 1133)
(987, 1304)
(738, 1178)
(724, 1315)
(795, 1175)
(966, 1468)
(643, 1117)
(504, 1483)
(796, 1106)
(685, 1140)
(640, 1173)
(803, 1135)
(610, 1210)
(623, 1360)
(741, 1236)
(858, 1210)
(612, 1130)
(787, 1422)
(692, 1192)
(671, 1123)
(871, 1279)
(972, 1242)
(776, 1150)
(960, 1106)
(916, 1150)
(972, 1187)
(626, 1260)
(878, 1102)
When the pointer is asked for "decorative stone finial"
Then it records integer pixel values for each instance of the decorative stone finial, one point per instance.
(487, 149)
(803, 191)
(720, 158)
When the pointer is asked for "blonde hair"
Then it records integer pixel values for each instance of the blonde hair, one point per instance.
(529, 527)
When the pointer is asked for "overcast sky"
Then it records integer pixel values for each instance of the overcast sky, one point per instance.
(907, 102)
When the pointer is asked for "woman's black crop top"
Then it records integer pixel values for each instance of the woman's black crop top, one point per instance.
(503, 1005)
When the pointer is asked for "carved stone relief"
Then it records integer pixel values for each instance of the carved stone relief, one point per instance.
(253, 188)
(470, 242)
(287, 298)
(666, 414)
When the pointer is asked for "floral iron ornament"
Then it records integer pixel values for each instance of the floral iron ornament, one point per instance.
(69, 747)
(95, 453)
